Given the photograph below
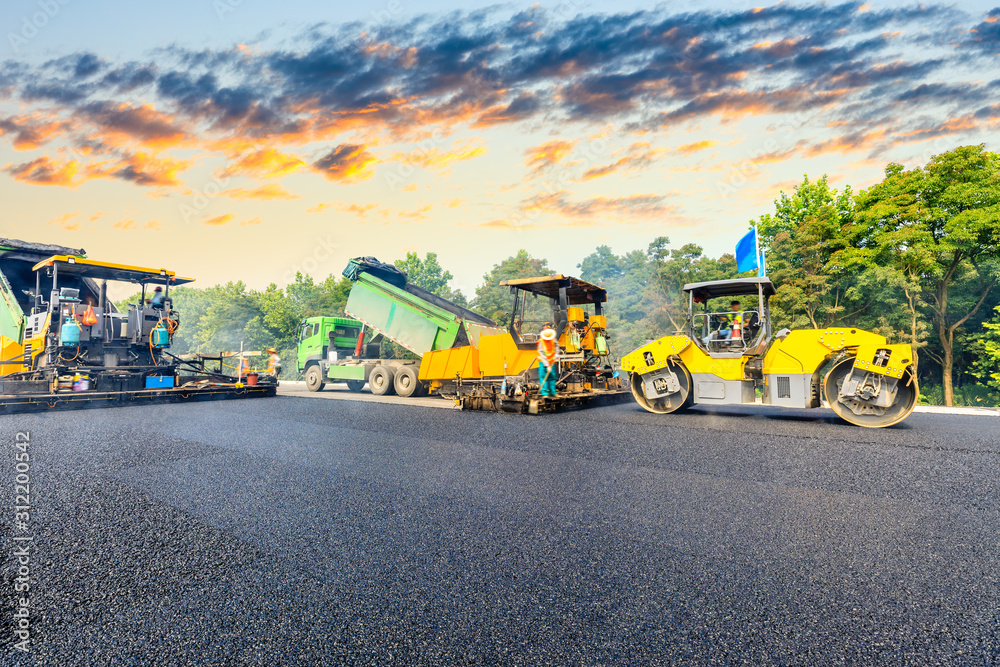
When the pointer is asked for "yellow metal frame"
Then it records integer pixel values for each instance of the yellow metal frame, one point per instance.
(865, 359)
(10, 350)
(682, 347)
(494, 356)
(801, 352)
(72, 260)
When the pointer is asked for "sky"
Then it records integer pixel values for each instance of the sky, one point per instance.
(248, 140)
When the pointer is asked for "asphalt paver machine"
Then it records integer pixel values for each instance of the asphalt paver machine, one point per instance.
(868, 382)
(73, 348)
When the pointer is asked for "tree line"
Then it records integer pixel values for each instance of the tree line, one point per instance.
(915, 257)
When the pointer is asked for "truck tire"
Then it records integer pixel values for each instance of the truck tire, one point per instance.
(406, 382)
(356, 385)
(381, 381)
(314, 378)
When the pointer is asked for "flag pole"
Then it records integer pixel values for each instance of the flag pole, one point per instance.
(760, 272)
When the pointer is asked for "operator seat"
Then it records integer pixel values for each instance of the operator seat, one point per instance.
(752, 327)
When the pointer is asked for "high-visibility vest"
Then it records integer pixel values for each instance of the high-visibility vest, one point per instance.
(547, 352)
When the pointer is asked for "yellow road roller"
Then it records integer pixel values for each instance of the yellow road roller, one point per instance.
(728, 355)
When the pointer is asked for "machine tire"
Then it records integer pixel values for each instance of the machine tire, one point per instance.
(406, 382)
(381, 381)
(676, 402)
(356, 385)
(314, 378)
(906, 398)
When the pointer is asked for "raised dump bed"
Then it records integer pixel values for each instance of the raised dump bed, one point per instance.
(407, 314)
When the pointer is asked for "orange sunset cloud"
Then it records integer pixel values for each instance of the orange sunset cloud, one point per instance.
(548, 154)
(346, 163)
(219, 220)
(263, 163)
(269, 191)
(435, 158)
(45, 171)
(687, 149)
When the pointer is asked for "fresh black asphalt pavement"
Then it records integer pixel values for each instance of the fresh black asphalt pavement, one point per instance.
(289, 531)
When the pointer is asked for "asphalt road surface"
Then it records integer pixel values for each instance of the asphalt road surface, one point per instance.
(297, 531)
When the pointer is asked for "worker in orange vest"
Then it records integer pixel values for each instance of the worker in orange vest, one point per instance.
(547, 349)
(273, 363)
(736, 325)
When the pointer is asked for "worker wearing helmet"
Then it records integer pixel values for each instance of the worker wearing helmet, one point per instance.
(547, 350)
(273, 363)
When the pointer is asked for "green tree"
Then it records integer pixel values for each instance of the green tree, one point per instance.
(808, 199)
(632, 296)
(276, 323)
(601, 266)
(891, 303)
(426, 273)
(813, 287)
(430, 275)
(940, 225)
(987, 366)
(222, 327)
(494, 301)
(676, 268)
(645, 288)
(802, 239)
(311, 299)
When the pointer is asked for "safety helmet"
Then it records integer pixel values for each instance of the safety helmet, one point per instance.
(548, 333)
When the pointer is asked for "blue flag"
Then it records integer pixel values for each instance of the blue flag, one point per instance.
(746, 252)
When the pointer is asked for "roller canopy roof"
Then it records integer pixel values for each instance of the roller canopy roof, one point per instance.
(734, 287)
(578, 292)
(88, 268)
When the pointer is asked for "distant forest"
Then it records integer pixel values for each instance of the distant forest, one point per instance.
(915, 257)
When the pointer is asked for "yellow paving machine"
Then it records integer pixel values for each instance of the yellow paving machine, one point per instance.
(728, 354)
(65, 345)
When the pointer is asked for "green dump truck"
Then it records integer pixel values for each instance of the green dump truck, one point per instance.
(338, 349)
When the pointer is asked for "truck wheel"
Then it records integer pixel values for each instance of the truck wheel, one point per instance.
(406, 382)
(381, 381)
(356, 385)
(314, 379)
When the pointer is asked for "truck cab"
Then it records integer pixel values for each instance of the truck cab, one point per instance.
(325, 340)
